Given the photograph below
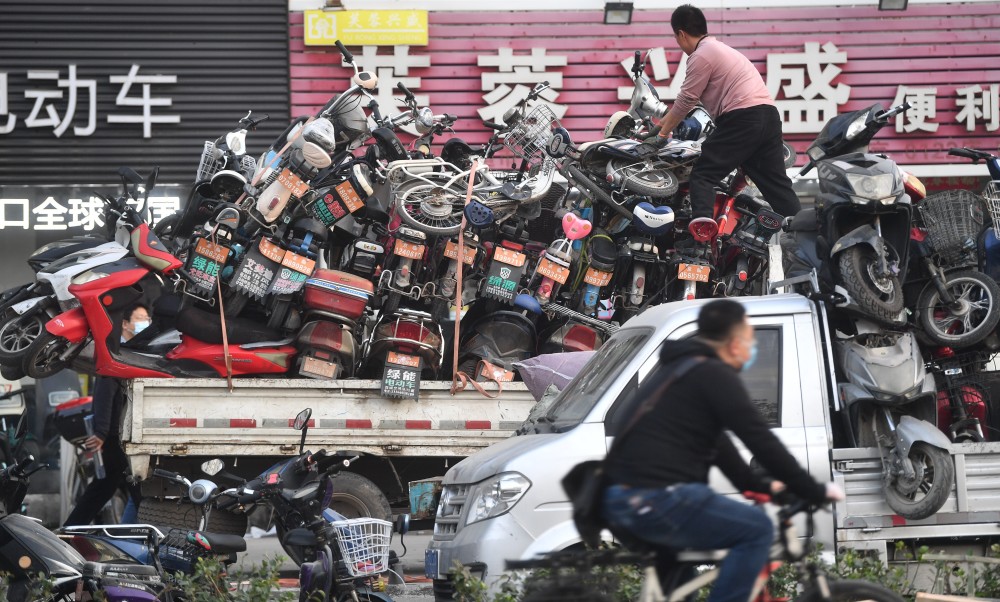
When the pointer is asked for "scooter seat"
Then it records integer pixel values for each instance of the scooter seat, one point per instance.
(804, 221)
(122, 569)
(218, 543)
(205, 327)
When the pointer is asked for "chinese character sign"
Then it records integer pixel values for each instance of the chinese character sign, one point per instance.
(801, 83)
(365, 27)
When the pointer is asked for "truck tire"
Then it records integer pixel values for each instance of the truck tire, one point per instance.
(354, 496)
(168, 513)
(882, 298)
(938, 477)
(847, 591)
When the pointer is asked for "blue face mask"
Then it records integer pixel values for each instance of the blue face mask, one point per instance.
(140, 326)
(753, 357)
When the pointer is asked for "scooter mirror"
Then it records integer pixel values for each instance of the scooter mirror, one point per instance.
(302, 419)
(213, 467)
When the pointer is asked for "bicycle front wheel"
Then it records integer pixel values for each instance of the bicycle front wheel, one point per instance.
(849, 591)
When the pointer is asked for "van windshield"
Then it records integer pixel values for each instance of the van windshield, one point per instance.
(583, 392)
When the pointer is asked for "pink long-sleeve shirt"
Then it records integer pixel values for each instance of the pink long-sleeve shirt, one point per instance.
(722, 79)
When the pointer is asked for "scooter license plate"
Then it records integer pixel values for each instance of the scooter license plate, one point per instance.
(551, 269)
(408, 250)
(693, 271)
(597, 277)
(509, 257)
(451, 252)
(312, 366)
(431, 563)
(211, 250)
(292, 182)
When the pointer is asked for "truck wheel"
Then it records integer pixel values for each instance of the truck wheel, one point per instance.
(927, 493)
(354, 496)
(168, 513)
(972, 319)
(879, 297)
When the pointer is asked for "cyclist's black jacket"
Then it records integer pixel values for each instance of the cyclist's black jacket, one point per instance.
(683, 435)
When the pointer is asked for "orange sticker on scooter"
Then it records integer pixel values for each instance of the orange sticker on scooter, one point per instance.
(401, 359)
(509, 257)
(300, 264)
(597, 277)
(451, 252)
(551, 269)
(349, 196)
(215, 252)
(292, 182)
(271, 251)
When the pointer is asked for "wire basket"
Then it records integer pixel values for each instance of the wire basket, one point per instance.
(364, 545)
(991, 194)
(209, 164)
(954, 219)
(530, 136)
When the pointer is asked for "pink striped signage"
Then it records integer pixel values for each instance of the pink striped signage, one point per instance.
(818, 60)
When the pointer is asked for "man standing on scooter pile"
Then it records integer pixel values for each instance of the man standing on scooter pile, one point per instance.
(658, 473)
(747, 124)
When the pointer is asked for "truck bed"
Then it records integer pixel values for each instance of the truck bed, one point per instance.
(200, 417)
(864, 520)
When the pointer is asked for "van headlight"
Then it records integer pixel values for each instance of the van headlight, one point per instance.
(872, 188)
(496, 496)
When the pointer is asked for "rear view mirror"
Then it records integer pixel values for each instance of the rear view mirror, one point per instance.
(302, 419)
(213, 467)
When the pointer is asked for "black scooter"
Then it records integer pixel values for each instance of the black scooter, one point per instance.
(857, 236)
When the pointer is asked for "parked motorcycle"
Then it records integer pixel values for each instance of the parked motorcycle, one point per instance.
(890, 402)
(857, 237)
(32, 553)
(963, 399)
(338, 558)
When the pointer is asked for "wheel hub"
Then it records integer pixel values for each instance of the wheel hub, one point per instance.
(882, 283)
(909, 485)
(436, 205)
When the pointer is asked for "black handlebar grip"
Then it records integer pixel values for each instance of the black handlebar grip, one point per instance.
(636, 64)
(226, 503)
(493, 125)
(348, 57)
(451, 117)
(402, 88)
(165, 474)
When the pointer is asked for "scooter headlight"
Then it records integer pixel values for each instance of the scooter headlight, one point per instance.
(90, 276)
(496, 495)
(872, 188)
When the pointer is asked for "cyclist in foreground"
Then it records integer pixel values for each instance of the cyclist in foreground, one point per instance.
(658, 474)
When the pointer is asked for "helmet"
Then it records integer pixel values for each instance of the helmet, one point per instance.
(620, 125)
(649, 219)
(696, 126)
(321, 133)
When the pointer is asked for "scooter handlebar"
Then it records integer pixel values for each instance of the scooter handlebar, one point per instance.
(348, 57)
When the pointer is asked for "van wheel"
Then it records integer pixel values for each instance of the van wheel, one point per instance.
(928, 491)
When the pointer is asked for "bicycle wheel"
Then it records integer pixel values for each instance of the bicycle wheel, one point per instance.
(848, 591)
(432, 209)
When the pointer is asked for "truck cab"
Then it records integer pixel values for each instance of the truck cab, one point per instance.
(507, 502)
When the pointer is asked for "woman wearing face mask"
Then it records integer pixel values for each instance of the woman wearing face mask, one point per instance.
(108, 399)
(658, 473)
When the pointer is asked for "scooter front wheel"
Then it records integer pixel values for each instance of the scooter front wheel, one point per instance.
(967, 321)
(17, 332)
(926, 493)
(41, 358)
(879, 296)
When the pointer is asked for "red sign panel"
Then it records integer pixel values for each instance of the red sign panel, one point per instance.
(818, 62)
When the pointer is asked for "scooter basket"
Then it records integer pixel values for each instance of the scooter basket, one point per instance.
(530, 136)
(992, 196)
(364, 545)
(954, 219)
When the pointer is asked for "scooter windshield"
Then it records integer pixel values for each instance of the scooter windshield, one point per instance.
(832, 139)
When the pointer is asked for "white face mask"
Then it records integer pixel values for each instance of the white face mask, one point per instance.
(139, 326)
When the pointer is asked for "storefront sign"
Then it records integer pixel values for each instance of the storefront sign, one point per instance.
(366, 27)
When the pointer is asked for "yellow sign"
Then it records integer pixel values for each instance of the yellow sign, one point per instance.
(366, 27)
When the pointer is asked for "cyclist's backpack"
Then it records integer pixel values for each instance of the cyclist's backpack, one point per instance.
(585, 483)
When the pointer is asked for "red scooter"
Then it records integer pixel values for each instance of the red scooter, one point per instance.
(107, 292)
